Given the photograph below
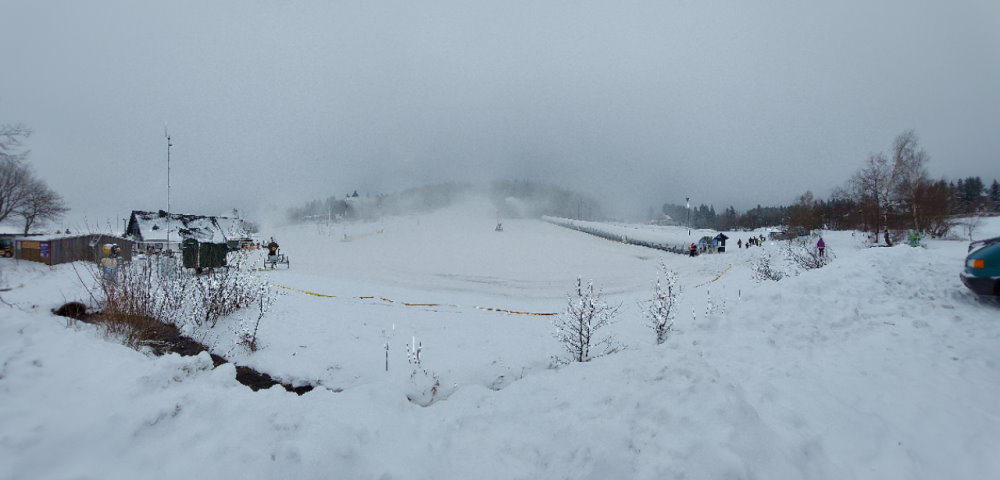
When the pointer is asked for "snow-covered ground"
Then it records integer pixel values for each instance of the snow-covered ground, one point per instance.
(879, 365)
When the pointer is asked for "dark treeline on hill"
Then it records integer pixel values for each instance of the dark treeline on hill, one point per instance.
(705, 216)
(889, 194)
(512, 198)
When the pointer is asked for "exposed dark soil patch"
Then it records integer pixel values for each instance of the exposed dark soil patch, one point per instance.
(163, 339)
(75, 310)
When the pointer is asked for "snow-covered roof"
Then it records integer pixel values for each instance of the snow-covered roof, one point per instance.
(61, 236)
(155, 226)
(46, 237)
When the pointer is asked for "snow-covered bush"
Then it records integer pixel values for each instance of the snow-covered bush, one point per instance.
(970, 225)
(940, 227)
(804, 254)
(763, 268)
(135, 300)
(413, 352)
(713, 306)
(663, 308)
(425, 386)
(585, 314)
(248, 336)
(223, 292)
(154, 290)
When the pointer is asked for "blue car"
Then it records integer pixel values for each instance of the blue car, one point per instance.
(982, 267)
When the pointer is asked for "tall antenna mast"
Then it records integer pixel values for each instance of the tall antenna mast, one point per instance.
(166, 134)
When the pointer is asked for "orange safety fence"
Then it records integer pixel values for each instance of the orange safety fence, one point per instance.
(425, 305)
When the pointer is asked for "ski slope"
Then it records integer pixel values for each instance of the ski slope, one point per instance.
(880, 365)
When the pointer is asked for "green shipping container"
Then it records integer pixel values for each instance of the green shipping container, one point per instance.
(203, 255)
(189, 253)
(213, 255)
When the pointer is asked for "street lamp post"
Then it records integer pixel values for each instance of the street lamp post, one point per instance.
(687, 200)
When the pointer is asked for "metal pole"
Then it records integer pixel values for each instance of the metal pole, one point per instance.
(687, 200)
(168, 185)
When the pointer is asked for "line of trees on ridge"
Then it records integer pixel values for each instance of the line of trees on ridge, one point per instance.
(889, 194)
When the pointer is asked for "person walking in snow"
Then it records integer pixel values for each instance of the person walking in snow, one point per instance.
(739, 243)
(821, 245)
(692, 249)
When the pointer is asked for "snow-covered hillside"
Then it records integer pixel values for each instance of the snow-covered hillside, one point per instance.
(879, 365)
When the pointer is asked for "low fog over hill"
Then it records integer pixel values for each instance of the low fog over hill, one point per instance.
(511, 198)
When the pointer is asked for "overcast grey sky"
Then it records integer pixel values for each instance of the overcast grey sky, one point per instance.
(639, 103)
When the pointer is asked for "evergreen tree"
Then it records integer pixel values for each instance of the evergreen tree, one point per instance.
(995, 195)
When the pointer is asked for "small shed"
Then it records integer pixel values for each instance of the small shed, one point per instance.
(57, 249)
(720, 242)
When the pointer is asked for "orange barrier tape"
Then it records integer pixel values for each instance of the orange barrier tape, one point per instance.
(406, 304)
(717, 277)
(305, 292)
(488, 309)
(514, 312)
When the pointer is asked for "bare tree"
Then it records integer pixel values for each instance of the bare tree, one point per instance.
(869, 190)
(884, 186)
(909, 177)
(804, 213)
(14, 176)
(14, 173)
(933, 212)
(39, 203)
(10, 141)
(585, 313)
(971, 224)
(21, 192)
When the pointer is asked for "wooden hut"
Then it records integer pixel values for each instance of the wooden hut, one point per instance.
(56, 249)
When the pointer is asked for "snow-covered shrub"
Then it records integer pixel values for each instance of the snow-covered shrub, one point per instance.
(153, 290)
(425, 387)
(222, 292)
(939, 227)
(133, 301)
(970, 225)
(763, 269)
(896, 236)
(248, 336)
(713, 306)
(585, 314)
(413, 352)
(661, 310)
(805, 255)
